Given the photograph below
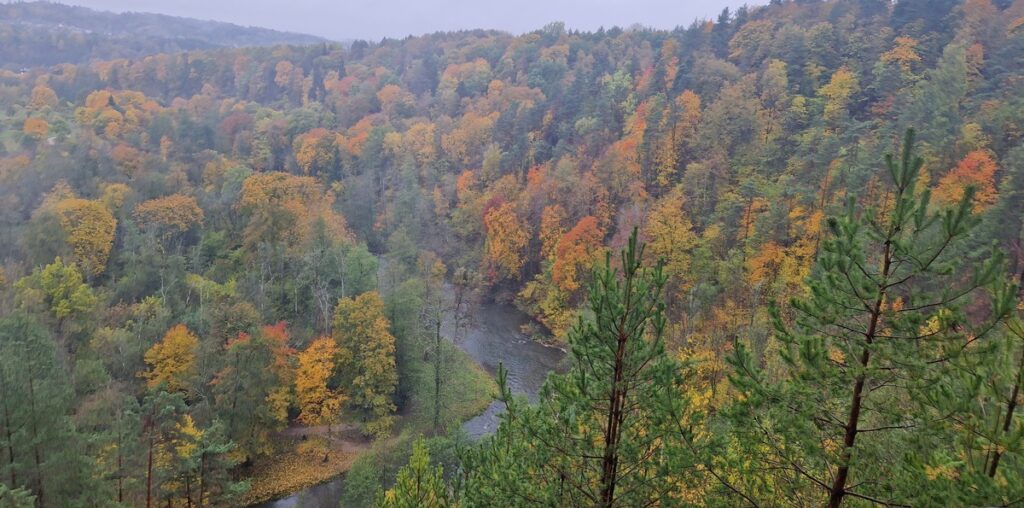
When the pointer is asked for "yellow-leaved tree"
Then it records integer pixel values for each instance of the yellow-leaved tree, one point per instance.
(319, 404)
(89, 228)
(672, 239)
(367, 359)
(168, 216)
(506, 238)
(172, 361)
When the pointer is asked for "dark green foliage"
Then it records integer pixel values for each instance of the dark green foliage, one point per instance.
(607, 433)
(41, 449)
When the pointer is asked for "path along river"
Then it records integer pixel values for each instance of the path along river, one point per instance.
(493, 337)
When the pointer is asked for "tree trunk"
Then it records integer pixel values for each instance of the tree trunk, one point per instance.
(35, 443)
(437, 376)
(838, 489)
(202, 478)
(616, 399)
(120, 468)
(9, 434)
(1011, 406)
(149, 474)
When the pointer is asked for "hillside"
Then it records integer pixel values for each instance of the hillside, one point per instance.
(44, 33)
(200, 250)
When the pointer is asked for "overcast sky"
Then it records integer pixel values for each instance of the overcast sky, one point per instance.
(374, 19)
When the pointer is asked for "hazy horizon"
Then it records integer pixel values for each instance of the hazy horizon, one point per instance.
(365, 19)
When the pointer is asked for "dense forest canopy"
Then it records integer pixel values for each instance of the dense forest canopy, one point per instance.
(204, 246)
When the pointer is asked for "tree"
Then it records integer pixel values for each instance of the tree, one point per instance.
(367, 351)
(214, 458)
(39, 447)
(172, 361)
(36, 128)
(671, 239)
(282, 209)
(168, 216)
(43, 97)
(284, 214)
(175, 452)
(253, 390)
(607, 433)
(90, 228)
(552, 228)
(576, 252)
(316, 152)
(16, 497)
(507, 236)
(418, 484)
(58, 290)
(441, 307)
(838, 93)
(319, 403)
(983, 466)
(850, 416)
(975, 169)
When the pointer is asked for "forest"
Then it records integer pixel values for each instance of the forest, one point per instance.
(782, 249)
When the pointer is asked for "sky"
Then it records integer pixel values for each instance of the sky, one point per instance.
(375, 19)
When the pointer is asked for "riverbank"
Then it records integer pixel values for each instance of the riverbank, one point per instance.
(294, 470)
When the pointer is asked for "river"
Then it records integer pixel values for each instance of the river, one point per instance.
(493, 337)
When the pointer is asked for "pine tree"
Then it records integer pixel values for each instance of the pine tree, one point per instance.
(853, 415)
(607, 433)
(41, 450)
(418, 484)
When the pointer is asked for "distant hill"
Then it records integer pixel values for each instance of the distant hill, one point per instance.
(34, 34)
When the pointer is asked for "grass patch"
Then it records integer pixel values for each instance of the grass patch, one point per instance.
(466, 391)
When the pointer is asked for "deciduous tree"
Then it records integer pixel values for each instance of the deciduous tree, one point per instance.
(172, 361)
(367, 359)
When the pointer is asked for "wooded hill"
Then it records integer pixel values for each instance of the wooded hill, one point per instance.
(38, 34)
(228, 190)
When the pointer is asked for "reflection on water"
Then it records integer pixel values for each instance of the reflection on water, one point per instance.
(493, 337)
(318, 496)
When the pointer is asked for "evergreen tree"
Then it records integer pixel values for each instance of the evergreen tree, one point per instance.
(42, 452)
(865, 356)
(607, 433)
(418, 484)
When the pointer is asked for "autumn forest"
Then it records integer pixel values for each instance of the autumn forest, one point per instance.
(780, 248)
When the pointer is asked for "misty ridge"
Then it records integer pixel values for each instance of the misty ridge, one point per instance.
(45, 33)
